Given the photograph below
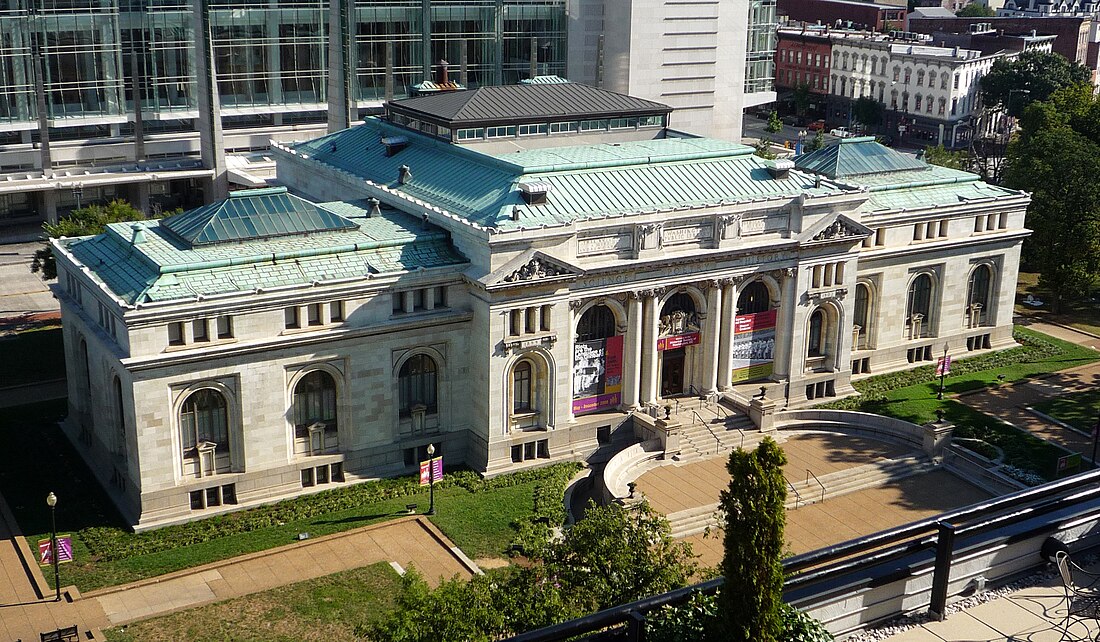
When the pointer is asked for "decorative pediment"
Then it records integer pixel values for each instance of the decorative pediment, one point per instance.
(531, 267)
(841, 228)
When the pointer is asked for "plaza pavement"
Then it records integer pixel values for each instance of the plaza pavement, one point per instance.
(406, 542)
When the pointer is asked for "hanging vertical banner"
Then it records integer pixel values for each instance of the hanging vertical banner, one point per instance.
(597, 374)
(943, 366)
(426, 474)
(753, 346)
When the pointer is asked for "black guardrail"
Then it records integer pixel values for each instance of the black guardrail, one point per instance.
(836, 568)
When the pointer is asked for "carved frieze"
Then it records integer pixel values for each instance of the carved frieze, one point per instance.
(534, 270)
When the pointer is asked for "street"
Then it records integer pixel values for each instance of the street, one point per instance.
(754, 127)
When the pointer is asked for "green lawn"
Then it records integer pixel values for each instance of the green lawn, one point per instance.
(39, 353)
(1083, 314)
(911, 395)
(1079, 410)
(334, 607)
(36, 458)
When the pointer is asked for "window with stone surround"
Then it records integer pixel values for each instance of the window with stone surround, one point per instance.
(417, 385)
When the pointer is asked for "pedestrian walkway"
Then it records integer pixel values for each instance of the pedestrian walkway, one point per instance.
(408, 542)
(1010, 402)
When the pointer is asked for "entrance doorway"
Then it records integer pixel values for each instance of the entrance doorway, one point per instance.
(672, 372)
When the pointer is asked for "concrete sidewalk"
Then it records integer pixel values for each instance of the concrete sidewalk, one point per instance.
(410, 541)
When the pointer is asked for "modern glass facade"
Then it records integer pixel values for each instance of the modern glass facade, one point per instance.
(87, 61)
(760, 51)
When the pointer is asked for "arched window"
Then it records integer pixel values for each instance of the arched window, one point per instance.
(862, 316)
(754, 298)
(920, 298)
(204, 417)
(522, 379)
(977, 294)
(315, 403)
(815, 343)
(416, 384)
(598, 322)
(679, 302)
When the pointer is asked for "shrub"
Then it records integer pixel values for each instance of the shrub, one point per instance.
(692, 619)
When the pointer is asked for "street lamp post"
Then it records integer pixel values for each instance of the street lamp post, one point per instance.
(431, 480)
(943, 369)
(78, 193)
(801, 141)
(51, 501)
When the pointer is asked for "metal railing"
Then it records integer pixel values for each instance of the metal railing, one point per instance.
(797, 495)
(1034, 511)
(717, 441)
(808, 476)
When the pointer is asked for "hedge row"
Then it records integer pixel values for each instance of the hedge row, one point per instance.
(535, 531)
(108, 544)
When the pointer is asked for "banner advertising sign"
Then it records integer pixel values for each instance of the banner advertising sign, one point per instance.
(753, 346)
(597, 374)
(64, 544)
(678, 341)
(943, 366)
(426, 476)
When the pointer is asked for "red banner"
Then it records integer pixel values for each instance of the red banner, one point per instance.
(678, 341)
(434, 474)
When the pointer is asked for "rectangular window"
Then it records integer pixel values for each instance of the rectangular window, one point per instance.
(418, 299)
(471, 134)
(529, 450)
(1002, 224)
(313, 312)
(517, 454)
(918, 231)
(880, 236)
(440, 294)
(622, 123)
(532, 130)
(398, 302)
(515, 322)
(569, 126)
(225, 327)
(196, 500)
(307, 477)
(593, 125)
(943, 229)
(504, 131)
(290, 317)
(229, 494)
(336, 311)
(175, 333)
(651, 121)
(543, 449)
(198, 327)
(532, 320)
(322, 474)
(979, 223)
(544, 319)
(337, 472)
(213, 497)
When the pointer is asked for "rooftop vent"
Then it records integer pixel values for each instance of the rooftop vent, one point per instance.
(139, 234)
(780, 168)
(515, 212)
(535, 192)
(403, 175)
(375, 208)
(394, 144)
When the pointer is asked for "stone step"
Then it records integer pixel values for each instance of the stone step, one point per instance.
(696, 520)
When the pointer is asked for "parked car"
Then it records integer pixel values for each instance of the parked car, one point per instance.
(816, 126)
(841, 132)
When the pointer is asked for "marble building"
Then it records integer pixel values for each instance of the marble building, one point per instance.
(509, 274)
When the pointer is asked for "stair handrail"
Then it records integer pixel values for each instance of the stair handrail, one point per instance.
(720, 412)
(717, 441)
(808, 476)
(742, 433)
(797, 496)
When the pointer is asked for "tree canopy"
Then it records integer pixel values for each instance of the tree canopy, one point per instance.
(1033, 76)
(867, 111)
(940, 155)
(976, 10)
(85, 221)
(1057, 158)
(774, 125)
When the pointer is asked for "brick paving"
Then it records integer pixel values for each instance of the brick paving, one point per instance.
(678, 487)
(839, 519)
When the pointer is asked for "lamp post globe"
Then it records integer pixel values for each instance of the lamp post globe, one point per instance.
(51, 501)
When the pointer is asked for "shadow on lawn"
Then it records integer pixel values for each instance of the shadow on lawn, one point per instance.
(36, 459)
(355, 519)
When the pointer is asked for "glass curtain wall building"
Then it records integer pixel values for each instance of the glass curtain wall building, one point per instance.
(104, 99)
(760, 50)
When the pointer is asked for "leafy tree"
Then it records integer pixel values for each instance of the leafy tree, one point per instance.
(818, 142)
(764, 150)
(455, 610)
(750, 603)
(1032, 76)
(85, 221)
(939, 155)
(801, 99)
(1059, 167)
(774, 125)
(867, 111)
(976, 10)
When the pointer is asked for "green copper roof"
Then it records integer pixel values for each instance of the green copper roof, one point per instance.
(157, 267)
(253, 214)
(856, 157)
(587, 181)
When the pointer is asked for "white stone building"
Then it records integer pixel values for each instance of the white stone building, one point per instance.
(929, 93)
(510, 274)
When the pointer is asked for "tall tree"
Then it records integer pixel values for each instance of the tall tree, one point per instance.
(867, 111)
(939, 155)
(774, 125)
(801, 98)
(1059, 167)
(751, 600)
(85, 221)
(1032, 76)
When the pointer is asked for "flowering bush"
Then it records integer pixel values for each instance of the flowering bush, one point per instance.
(1024, 476)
